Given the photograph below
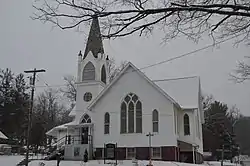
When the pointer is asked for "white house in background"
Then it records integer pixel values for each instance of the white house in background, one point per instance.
(126, 109)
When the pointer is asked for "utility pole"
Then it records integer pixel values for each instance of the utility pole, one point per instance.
(149, 135)
(32, 83)
(222, 155)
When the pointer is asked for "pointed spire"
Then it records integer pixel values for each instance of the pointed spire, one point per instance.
(94, 42)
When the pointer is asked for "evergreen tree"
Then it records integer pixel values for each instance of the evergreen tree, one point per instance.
(217, 129)
(14, 104)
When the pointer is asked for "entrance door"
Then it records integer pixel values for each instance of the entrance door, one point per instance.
(85, 133)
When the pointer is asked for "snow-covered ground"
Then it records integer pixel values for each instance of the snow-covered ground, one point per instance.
(100, 163)
(125, 163)
(10, 160)
(218, 163)
(15, 159)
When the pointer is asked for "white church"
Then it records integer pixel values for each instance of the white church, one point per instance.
(125, 110)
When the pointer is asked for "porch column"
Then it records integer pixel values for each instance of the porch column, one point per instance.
(193, 148)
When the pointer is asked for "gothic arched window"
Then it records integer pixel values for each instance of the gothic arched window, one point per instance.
(186, 125)
(123, 117)
(86, 119)
(88, 72)
(131, 114)
(103, 74)
(106, 123)
(138, 115)
(155, 121)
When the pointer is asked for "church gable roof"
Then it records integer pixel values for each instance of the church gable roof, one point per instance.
(124, 71)
(185, 90)
(94, 43)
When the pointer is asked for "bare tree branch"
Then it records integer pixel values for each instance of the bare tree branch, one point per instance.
(70, 81)
(242, 73)
(70, 90)
(191, 18)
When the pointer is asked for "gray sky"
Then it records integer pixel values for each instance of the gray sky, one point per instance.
(25, 44)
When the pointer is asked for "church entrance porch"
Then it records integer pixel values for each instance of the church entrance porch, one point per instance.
(78, 140)
(188, 153)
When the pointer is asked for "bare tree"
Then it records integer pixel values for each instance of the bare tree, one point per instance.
(242, 73)
(206, 101)
(49, 111)
(47, 105)
(113, 69)
(70, 90)
(191, 18)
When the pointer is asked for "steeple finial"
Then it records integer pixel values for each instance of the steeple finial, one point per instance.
(80, 53)
(94, 42)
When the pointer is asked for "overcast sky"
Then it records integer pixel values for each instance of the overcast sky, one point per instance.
(25, 44)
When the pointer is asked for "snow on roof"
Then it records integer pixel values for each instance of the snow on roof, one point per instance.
(2, 136)
(61, 127)
(183, 90)
(73, 111)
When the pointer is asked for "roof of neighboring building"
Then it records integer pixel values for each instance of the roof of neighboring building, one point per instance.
(2, 136)
(183, 90)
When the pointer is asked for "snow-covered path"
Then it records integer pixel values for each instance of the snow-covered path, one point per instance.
(10, 160)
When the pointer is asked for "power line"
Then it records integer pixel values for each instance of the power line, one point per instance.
(191, 52)
(47, 85)
(171, 79)
(168, 60)
(167, 79)
(50, 86)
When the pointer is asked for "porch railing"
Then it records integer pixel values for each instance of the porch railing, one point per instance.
(78, 139)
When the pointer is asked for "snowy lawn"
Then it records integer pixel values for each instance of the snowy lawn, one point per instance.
(100, 163)
(218, 163)
(13, 160)
(10, 160)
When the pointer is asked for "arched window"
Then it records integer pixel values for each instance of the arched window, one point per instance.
(86, 119)
(186, 125)
(131, 118)
(106, 123)
(88, 72)
(155, 121)
(131, 114)
(123, 118)
(103, 74)
(138, 117)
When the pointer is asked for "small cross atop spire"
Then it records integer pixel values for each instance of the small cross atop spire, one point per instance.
(94, 42)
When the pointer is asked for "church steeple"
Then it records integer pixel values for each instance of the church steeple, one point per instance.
(94, 43)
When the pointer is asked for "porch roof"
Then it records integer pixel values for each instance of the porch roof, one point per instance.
(2, 136)
(53, 131)
(74, 124)
(187, 142)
